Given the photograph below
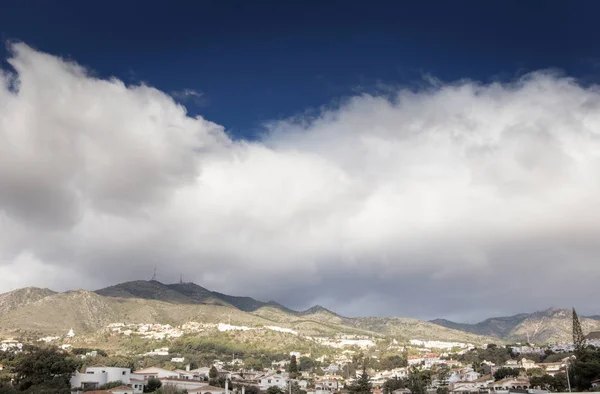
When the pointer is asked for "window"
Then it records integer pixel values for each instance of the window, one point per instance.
(123, 372)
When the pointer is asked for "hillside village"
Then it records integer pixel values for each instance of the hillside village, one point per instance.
(445, 367)
(208, 342)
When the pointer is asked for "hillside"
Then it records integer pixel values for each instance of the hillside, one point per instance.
(22, 297)
(44, 312)
(499, 327)
(553, 325)
(408, 328)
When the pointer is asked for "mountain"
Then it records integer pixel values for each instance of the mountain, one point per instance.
(499, 327)
(183, 293)
(22, 297)
(552, 325)
(44, 312)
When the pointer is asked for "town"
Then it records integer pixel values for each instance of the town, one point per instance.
(354, 365)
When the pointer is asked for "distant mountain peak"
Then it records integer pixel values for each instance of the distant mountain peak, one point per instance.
(548, 325)
(317, 309)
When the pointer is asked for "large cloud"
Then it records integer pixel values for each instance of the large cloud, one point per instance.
(462, 200)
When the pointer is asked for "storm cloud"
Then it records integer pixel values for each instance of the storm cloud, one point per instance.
(461, 200)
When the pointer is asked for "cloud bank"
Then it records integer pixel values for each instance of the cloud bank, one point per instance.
(460, 200)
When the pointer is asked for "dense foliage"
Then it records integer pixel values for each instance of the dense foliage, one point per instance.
(557, 383)
(393, 384)
(362, 385)
(504, 372)
(418, 380)
(585, 368)
(152, 385)
(43, 370)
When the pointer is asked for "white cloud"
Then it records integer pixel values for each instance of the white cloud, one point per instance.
(464, 196)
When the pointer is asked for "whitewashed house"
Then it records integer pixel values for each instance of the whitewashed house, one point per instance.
(267, 381)
(94, 377)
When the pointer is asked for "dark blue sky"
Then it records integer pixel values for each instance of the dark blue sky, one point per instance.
(260, 60)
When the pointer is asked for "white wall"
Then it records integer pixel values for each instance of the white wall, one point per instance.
(101, 375)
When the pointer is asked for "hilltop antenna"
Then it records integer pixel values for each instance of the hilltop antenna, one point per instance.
(181, 279)
(154, 274)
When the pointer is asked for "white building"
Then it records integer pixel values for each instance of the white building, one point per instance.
(155, 372)
(280, 381)
(94, 377)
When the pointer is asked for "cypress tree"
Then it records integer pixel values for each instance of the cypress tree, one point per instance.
(578, 338)
(293, 367)
(363, 383)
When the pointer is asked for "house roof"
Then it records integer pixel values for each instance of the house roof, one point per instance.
(484, 378)
(516, 380)
(205, 388)
(147, 370)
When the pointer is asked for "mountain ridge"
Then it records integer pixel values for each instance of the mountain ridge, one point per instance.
(152, 301)
(137, 302)
(549, 325)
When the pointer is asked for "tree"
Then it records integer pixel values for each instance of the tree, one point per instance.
(296, 389)
(478, 367)
(274, 390)
(578, 338)
(393, 384)
(505, 372)
(213, 373)
(556, 383)
(442, 390)
(418, 381)
(111, 385)
(252, 390)
(293, 367)
(152, 385)
(535, 372)
(306, 364)
(392, 362)
(443, 372)
(7, 388)
(586, 366)
(363, 383)
(254, 364)
(43, 370)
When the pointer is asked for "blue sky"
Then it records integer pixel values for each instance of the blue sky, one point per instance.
(344, 153)
(258, 61)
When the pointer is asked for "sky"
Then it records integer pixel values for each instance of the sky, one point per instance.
(420, 159)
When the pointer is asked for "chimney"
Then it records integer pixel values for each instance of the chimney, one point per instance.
(226, 386)
(187, 367)
(243, 389)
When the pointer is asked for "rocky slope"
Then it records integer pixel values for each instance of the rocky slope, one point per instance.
(553, 325)
(22, 297)
(50, 313)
